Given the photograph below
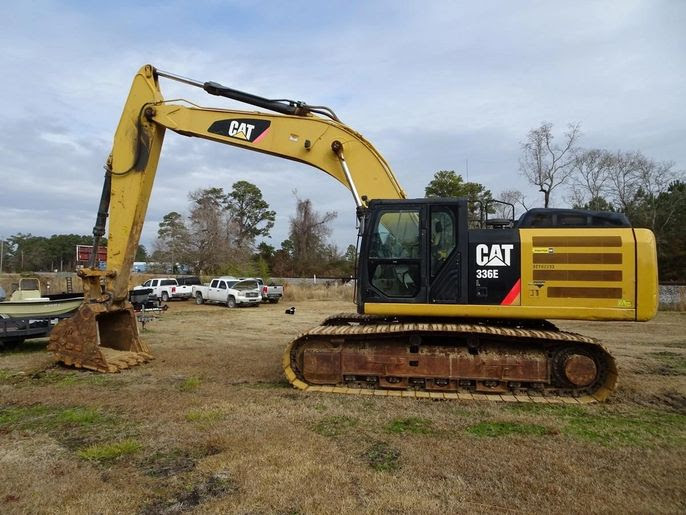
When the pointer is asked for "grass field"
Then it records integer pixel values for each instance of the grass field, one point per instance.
(211, 425)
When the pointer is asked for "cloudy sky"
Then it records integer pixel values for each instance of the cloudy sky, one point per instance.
(434, 85)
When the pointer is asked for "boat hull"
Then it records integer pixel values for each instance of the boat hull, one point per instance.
(39, 308)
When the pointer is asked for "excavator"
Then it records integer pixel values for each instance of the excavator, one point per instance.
(446, 308)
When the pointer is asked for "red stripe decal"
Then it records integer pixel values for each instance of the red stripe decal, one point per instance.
(258, 138)
(510, 297)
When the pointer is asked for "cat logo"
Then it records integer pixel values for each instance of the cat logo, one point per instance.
(244, 129)
(240, 130)
(493, 255)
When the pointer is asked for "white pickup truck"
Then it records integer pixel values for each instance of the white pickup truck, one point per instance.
(166, 288)
(230, 291)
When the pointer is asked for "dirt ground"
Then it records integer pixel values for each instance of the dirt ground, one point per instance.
(211, 426)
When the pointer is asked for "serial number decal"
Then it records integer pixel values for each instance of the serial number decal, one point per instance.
(486, 274)
(544, 267)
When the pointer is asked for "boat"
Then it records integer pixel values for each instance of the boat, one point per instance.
(28, 302)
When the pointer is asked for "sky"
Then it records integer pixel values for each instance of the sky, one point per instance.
(433, 85)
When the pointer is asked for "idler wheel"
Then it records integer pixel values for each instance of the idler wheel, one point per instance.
(580, 370)
(575, 368)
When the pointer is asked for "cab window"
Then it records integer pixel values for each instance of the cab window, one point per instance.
(442, 238)
(222, 285)
(396, 235)
(395, 253)
(214, 284)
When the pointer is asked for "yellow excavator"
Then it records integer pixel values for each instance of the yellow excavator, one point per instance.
(447, 306)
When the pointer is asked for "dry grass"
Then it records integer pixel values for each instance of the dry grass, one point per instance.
(211, 425)
(330, 291)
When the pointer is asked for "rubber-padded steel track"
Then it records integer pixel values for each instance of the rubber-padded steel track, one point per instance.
(541, 336)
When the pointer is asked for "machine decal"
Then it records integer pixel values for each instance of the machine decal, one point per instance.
(245, 129)
(493, 255)
(513, 297)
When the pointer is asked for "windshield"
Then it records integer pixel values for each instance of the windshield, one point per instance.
(396, 235)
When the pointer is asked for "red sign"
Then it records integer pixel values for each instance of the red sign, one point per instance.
(84, 253)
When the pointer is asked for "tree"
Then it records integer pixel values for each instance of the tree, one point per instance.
(590, 177)
(141, 253)
(447, 183)
(351, 254)
(209, 230)
(173, 238)
(514, 197)
(546, 164)
(249, 212)
(671, 233)
(622, 180)
(308, 232)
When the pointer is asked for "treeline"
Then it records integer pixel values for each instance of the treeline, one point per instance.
(26, 252)
(219, 236)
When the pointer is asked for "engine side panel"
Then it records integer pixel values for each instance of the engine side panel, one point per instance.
(593, 268)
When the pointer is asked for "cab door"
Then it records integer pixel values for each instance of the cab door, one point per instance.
(394, 270)
(212, 292)
(220, 293)
(447, 254)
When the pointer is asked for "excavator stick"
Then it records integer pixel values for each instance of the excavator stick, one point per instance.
(99, 338)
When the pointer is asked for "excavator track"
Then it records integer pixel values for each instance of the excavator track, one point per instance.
(511, 361)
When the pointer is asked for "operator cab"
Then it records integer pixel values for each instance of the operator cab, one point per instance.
(413, 251)
(448, 250)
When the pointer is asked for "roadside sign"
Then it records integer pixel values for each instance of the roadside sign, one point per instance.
(84, 253)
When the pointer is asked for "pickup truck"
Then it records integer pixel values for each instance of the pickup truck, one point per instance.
(270, 293)
(166, 288)
(230, 291)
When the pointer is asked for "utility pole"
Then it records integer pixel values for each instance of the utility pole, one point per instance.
(2, 252)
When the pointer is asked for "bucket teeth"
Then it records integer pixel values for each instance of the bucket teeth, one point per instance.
(99, 339)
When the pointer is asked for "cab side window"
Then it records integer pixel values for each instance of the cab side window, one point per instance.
(442, 238)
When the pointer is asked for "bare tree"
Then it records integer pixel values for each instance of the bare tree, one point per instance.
(590, 177)
(209, 229)
(545, 163)
(173, 239)
(308, 233)
(514, 197)
(623, 179)
(653, 178)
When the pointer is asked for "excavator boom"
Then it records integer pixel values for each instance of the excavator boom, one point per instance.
(307, 134)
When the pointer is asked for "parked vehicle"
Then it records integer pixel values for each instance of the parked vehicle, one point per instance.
(230, 291)
(142, 299)
(270, 292)
(28, 301)
(167, 288)
(188, 280)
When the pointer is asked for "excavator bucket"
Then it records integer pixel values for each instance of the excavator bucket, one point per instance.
(98, 338)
